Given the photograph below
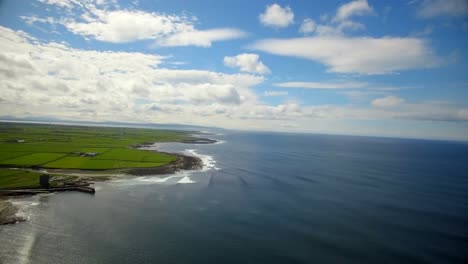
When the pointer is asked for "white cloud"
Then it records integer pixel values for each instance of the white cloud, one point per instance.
(388, 101)
(247, 62)
(125, 26)
(322, 85)
(277, 16)
(68, 4)
(353, 8)
(341, 21)
(308, 26)
(201, 38)
(275, 93)
(104, 21)
(363, 55)
(436, 8)
(338, 30)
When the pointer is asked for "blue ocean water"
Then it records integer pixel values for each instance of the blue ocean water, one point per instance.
(264, 198)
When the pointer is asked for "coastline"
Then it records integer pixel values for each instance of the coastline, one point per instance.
(84, 178)
(8, 212)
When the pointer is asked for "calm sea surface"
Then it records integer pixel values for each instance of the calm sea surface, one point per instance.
(264, 198)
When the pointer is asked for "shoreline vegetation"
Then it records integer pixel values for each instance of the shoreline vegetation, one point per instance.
(74, 157)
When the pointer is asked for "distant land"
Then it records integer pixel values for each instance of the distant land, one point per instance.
(52, 120)
(185, 127)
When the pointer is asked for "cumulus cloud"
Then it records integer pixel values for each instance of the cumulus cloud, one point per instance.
(363, 55)
(247, 62)
(121, 26)
(436, 8)
(308, 26)
(353, 8)
(277, 17)
(104, 21)
(322, 85)
(388, 101)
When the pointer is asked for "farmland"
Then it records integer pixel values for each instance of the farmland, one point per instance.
(26, 146)
(14, 179)
(17, 178)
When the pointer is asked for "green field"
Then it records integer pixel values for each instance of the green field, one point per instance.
(32, 159)
(135, 155)
(96, 164)
(76, 147)
(20, 179)
(10, 179)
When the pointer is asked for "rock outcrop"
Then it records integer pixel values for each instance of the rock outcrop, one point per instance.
(8, 213)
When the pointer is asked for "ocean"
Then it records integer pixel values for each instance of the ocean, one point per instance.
(264, 198)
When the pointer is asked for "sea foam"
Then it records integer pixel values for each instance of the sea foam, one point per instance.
(219, 142)
(209, 162)
(186, 179)
(178, 177)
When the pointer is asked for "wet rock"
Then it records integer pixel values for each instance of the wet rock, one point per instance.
(8, 213)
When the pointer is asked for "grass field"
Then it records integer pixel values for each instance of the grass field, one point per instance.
(62, 147)
(33, 159)
(20, 179)
(10, 179)
(95, 164)
(135, 155)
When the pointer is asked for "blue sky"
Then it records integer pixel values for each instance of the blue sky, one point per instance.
(390, 68)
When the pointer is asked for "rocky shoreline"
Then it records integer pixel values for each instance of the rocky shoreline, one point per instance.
(199, 141)
(8, 213)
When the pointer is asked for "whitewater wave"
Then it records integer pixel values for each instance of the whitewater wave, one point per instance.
(209, 162)
(178, 177)
(219, 142)
(24, 206)
(186, 180)
(25, 251)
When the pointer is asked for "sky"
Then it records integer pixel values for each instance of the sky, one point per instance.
(381, 68)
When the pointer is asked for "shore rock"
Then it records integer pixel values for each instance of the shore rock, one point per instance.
(8, 213)
(197, 140)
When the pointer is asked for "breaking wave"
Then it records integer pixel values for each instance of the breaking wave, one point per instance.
(209, 162)
(179, 177)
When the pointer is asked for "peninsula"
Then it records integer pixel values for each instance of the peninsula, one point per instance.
(75, 156)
